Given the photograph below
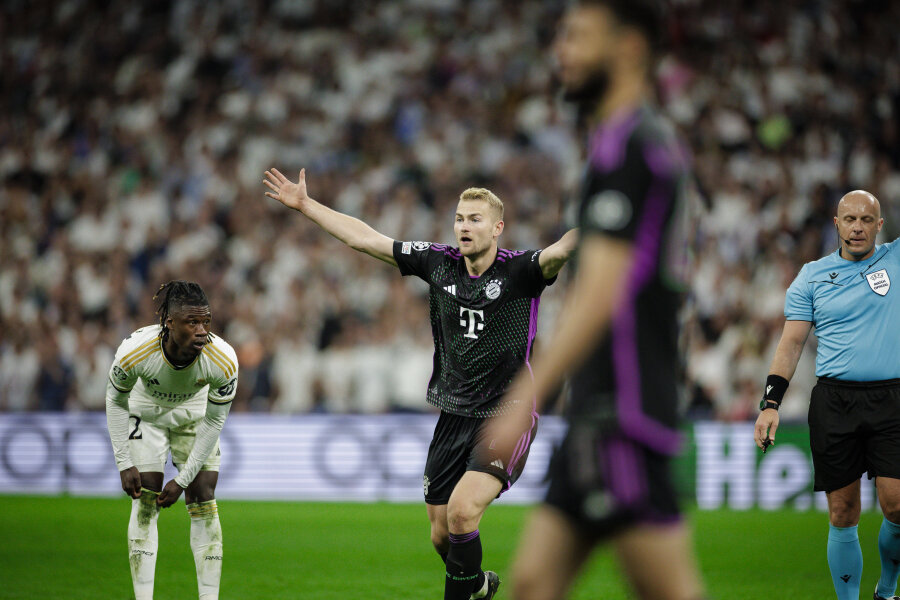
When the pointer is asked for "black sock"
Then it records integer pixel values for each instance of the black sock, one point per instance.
(463, 566)
(479, 583)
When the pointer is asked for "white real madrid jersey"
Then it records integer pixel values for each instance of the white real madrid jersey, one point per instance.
(141, 368)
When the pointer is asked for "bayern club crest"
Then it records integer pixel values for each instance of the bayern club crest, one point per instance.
(879, 282)
(492, 289)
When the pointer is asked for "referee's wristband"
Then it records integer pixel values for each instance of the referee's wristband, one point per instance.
(776, 386)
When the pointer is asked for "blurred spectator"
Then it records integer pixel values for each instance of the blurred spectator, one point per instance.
(133, 138)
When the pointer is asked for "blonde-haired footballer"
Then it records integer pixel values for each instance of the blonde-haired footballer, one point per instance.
(483, 306)
(169, 390)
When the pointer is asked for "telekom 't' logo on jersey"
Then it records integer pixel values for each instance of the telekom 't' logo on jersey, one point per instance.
(473, 320)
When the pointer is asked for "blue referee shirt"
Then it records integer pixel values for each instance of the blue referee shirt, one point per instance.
(856, 312)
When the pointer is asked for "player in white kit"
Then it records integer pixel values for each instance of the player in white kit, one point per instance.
(169, 391)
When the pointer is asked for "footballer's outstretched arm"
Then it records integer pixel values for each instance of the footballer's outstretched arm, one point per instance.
(557, 254)
(350, 230)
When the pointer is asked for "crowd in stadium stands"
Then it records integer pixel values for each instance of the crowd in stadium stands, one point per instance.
(134, 136)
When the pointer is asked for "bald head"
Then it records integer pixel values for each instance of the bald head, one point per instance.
(859, 199)
(858, 222)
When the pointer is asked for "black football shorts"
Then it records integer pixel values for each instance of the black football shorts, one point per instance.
(606, 482)
(459, 445)
(854, 428)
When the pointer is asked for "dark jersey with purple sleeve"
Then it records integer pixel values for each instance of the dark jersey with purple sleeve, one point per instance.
(483, 327)
(635, 190)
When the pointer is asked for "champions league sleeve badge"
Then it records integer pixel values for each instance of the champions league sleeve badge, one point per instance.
(879, 282)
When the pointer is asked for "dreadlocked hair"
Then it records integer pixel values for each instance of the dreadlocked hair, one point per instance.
(174, 295)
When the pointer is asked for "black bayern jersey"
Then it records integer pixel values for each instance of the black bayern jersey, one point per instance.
(634, 189)
(483, 327)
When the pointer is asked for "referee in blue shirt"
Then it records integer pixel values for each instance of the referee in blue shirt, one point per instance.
(854, 411)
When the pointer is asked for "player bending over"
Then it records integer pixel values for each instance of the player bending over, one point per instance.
(169, 390)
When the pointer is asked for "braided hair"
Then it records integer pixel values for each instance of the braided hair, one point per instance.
(173, 295)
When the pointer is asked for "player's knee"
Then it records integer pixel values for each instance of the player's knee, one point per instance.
(844, 514)
(440, 537)
(201, 493)
(463, 516)
(891, 510)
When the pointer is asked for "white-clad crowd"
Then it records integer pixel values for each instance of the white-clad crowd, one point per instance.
(133, 138)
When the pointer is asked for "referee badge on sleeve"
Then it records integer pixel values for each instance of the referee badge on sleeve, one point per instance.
(879, 282)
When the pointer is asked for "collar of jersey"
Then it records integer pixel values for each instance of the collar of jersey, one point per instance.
(858, 263)
(473, 278)
(168, 362)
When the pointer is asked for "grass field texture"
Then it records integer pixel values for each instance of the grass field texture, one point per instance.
(75, 548)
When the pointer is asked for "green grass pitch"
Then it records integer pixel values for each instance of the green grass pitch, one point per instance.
(63, 547)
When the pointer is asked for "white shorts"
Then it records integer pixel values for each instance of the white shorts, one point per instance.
(151, 443)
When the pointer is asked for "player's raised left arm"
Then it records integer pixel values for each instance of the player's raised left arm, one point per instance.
(554, 256)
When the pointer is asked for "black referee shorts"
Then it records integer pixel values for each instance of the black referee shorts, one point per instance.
(459, 445)
(854, 428)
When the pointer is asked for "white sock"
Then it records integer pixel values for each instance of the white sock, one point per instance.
(483, 591)
(143, 541)
(206, 543)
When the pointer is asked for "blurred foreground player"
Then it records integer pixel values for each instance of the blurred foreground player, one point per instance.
(617, 336)
(854, 409)
(484, 304)
(169, 390)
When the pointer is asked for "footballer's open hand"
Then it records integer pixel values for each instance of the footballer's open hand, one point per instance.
(293, 195)
(169, 494)
(131, 481)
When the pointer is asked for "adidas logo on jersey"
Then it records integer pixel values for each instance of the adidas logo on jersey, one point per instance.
(497, 463)
(451, 289)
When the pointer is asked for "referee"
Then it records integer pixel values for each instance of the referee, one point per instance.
(854, 412)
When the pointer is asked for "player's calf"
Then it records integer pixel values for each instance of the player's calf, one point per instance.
(206, 544)
(143, 543)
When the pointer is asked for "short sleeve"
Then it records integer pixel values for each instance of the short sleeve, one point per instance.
(798, 301)
(525, 268)
(613, 202)
(416, 258)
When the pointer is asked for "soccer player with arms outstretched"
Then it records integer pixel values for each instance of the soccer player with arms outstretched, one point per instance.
(483, 303)
(169, 390)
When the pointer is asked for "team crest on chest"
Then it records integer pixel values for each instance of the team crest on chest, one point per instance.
(492, 289)
(879, 282)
